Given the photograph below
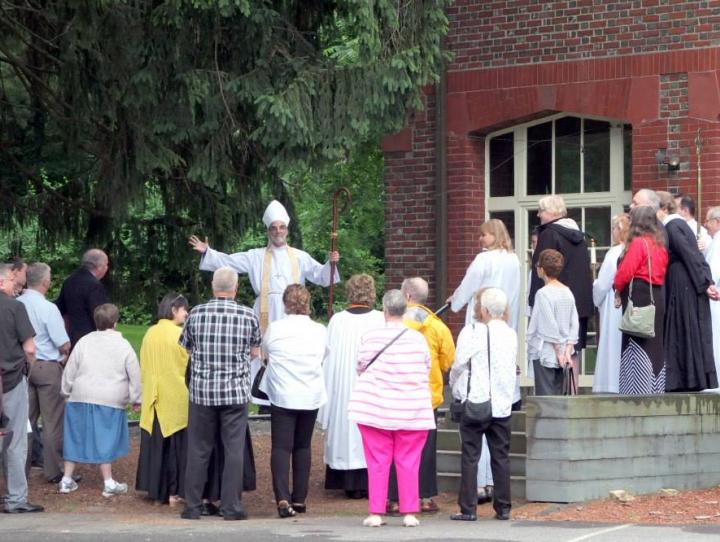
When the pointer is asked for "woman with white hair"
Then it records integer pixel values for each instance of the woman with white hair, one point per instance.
(484, 369)
(392, 405)
(563, 234)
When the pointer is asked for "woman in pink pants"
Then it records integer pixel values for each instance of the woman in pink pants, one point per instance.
(392, 406)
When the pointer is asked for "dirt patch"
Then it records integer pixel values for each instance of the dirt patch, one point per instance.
(689, 507)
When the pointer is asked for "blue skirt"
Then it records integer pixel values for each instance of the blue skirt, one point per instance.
(94, 433)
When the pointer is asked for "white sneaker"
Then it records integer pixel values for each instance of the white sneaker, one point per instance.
(410, 521)
(373, 520)
(67, 487)
(112, 490)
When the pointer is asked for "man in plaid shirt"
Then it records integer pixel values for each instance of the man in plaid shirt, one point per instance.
(221, 337)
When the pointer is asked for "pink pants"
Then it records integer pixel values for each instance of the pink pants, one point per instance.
(382, 447)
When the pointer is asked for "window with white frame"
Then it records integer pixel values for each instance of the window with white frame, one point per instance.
(586, 160)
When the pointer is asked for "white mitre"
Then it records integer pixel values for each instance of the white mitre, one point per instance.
(275, 211)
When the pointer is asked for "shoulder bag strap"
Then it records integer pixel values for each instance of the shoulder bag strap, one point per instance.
(467, 392)
(488, 356)
(376, 356)
(652, 301)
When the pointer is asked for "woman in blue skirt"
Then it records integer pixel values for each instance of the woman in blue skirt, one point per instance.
(101, 378)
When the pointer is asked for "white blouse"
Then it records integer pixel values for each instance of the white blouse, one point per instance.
(472, 348)
(295, 346)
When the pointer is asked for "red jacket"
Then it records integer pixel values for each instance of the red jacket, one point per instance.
(634, 263)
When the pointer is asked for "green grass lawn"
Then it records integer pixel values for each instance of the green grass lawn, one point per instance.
(134, 334)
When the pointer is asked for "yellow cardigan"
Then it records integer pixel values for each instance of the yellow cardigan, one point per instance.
(162, 368)
(442, 350)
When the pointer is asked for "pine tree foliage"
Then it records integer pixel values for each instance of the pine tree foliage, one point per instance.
(199, 101)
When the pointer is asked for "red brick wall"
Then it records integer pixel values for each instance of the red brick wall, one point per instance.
(503, 33)
(653, 64)
(410, 201)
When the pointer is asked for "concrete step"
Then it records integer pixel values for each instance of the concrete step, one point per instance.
(449, 440)
(448, 461)
(450, 483)
(517, 421)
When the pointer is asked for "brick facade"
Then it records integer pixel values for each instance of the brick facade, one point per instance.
(653, 64)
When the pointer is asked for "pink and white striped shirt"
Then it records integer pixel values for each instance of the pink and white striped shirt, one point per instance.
(394, 392)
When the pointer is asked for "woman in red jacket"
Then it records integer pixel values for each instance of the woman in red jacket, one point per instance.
(642, 272)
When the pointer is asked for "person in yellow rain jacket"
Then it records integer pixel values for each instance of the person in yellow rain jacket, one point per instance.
(442, 354)
(164, 411)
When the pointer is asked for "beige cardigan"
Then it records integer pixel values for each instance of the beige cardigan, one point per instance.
(102, 370)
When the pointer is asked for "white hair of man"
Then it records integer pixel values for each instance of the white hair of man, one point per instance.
(713, 213)
(554, 205)
(650, 198)
(394, 303)
(37, 273)
(494, 301)
(93, 259)
(416, 288)
(225, 279)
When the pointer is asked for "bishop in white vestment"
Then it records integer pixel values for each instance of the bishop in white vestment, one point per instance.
(270, 269)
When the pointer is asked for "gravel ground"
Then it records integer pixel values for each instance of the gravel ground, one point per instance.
(701, 507)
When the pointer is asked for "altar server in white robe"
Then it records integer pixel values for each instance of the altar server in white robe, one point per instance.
(497, 266)
(712, 224)
(345, 466)
(270, 269)
(607, 367)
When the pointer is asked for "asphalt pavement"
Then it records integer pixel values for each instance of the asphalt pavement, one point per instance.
(97, 527)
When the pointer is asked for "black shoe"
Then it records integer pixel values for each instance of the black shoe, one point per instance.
(237, 516)
(299, 508)
(189, 513)
(24, 508)
(356, 494)
(285, 510)
(463, 517)
(503, 515)
(56, 480)
(209, 509)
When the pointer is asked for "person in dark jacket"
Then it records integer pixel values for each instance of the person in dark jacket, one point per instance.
(81, 293)
(560, 233)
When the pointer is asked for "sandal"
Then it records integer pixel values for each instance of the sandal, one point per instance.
(285, 510)
(392, 508)
(428, 506)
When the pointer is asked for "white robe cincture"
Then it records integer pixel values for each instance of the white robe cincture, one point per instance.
(343, 444)
(607, 367)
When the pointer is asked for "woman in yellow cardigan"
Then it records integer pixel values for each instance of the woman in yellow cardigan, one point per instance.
(164, 413)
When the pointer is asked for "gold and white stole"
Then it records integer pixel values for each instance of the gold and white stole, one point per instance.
(265, 288)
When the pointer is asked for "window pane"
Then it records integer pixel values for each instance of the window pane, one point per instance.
(597, 225)
(507, 218)
(567, 155)
(533, 222)
(502, 165)
(596, 155)
(539, 163)
(627, 156)
(576, 214)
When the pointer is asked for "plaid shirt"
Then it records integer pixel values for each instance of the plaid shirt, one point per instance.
(219, 335)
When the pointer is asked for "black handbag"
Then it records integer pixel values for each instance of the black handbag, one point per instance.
(255, 390)
(467, 411)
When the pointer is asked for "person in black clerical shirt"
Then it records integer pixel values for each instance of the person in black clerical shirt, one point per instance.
(82, 292)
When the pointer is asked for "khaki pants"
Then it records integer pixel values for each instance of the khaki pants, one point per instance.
(47, 402)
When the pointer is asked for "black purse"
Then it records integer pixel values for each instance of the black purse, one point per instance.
(467, 411)
(255, 390)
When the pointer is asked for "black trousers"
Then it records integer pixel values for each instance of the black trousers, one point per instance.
(427, 477)
(497, 432)
(203, 423)
(291, 436)
(548, 381)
